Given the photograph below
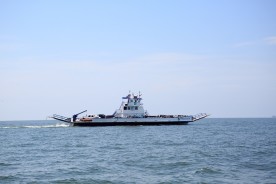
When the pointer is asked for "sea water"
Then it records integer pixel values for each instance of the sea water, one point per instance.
(207, 151)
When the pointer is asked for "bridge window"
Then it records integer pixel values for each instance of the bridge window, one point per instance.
(136, 108)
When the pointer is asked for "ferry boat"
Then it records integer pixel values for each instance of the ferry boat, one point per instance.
(131, 112)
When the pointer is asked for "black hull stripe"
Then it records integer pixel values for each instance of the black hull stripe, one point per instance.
(129, 123)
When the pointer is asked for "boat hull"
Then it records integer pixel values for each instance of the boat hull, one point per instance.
(134, 121)
(148, 123)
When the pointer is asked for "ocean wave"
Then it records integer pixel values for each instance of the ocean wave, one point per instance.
(207, 170)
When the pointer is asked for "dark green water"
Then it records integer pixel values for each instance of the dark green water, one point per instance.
(207, 151)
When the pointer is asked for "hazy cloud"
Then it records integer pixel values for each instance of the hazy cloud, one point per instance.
(270, 40)
(267, 40)
(169, 58)
(245, 44)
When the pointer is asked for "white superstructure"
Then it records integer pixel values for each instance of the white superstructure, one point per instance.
(131, 107)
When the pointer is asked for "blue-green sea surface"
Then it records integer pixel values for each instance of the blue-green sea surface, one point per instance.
(208, 151)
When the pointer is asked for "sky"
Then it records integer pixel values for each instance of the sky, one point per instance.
(186, 57)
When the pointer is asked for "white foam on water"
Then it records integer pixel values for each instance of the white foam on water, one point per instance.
(11, 127)
(49, 126)
(58, 125)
